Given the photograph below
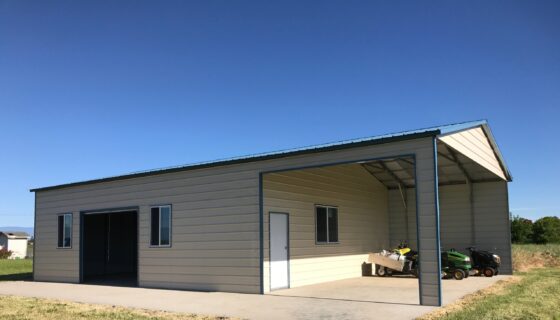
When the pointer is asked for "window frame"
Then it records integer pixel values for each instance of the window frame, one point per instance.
(327, 207)
(159, 206)
(64, 215)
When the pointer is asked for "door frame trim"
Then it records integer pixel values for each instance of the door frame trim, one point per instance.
(270, 250)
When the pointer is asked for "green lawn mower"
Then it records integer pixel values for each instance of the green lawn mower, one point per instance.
(455, 265)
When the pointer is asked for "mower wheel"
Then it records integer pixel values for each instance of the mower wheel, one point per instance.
(489, 272)
(459, 274)
(381, 271)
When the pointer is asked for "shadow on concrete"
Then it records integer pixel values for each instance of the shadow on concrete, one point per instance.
(346, 300)
(16, 276)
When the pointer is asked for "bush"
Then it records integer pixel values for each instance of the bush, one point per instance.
(5, 253)
(546, 230)
(521, 230)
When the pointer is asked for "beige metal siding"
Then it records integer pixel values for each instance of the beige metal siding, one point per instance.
(456, 218)
(425, 170)
(362, 218)
(398, 217)
(215, 223)
(474, 144)
(456, 222)
(221, 206)
(492, 228)
(50, 263)
(491, 219)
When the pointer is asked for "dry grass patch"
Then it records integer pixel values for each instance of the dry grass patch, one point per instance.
(530, 256)
(497, 288)
(531, 294)
(21, 308)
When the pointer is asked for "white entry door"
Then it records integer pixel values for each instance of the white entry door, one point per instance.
(279, 274)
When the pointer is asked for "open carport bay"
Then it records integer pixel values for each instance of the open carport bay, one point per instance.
(321, 223)
(390, 290)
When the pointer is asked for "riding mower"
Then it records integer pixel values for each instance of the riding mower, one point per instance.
(455, 265)
(484, 262)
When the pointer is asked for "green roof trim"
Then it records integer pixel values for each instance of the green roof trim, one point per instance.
(340, 145)
(252, 158)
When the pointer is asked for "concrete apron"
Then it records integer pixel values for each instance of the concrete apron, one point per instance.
(344, 299)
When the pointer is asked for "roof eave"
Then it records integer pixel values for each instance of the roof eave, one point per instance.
(496, 149)
(486, 129)
(390, 139)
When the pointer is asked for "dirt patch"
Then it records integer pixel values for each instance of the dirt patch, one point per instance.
(496, 289)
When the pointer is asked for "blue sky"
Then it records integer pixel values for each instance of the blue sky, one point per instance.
(90, 88)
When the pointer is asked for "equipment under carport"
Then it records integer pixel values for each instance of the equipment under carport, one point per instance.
(455, 265)
(484, 262)
(402, 260)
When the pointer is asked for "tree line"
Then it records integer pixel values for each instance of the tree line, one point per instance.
(542, 231)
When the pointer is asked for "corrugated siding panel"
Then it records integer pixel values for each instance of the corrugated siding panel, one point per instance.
(491, 219)
(399, 215)
(362, 220)
(474, 144)
(215, 213)
(427, 225)
(210, 198)
(456, 227)
(455, 217)
(52, 264)
(492, 228)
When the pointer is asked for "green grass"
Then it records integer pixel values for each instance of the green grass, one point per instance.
(20, 269)
(552, 249)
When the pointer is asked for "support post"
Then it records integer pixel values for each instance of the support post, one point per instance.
(427, 214)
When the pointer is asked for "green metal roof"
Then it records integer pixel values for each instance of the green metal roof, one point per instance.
(345, 144)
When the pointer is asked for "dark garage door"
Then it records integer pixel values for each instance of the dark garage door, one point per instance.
(110, 248)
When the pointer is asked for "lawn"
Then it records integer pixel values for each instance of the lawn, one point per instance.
(16, 269)
(533, 293)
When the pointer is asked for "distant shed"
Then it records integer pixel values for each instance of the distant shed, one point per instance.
(15, 242)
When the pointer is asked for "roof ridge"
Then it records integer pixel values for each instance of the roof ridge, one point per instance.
(347, 143)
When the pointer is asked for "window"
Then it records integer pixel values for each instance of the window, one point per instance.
(65, 231)
(160, 218)
(326, 220)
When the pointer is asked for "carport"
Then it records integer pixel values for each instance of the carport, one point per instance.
(321, 222)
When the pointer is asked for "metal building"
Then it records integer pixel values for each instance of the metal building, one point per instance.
(284, 219)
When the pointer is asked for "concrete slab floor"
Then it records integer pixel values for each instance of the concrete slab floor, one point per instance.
(356, 298)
